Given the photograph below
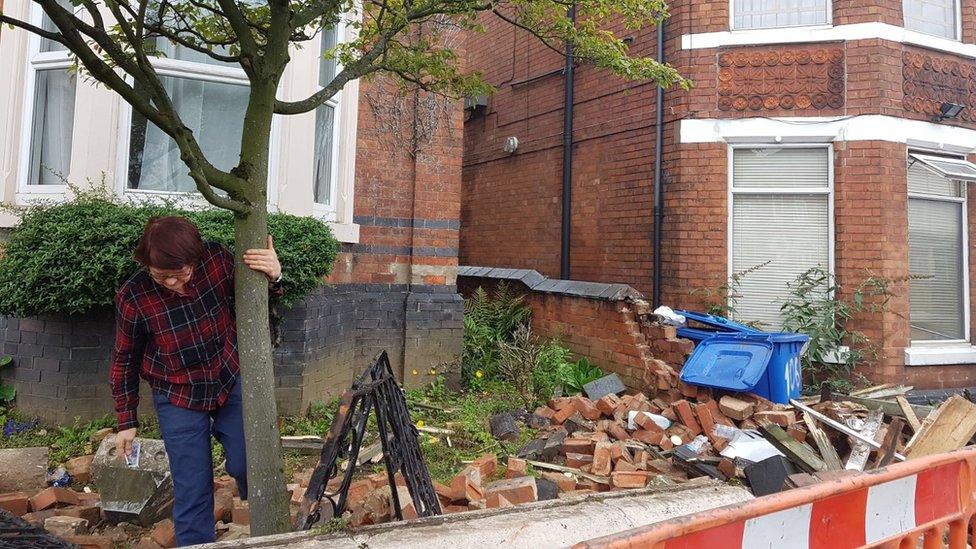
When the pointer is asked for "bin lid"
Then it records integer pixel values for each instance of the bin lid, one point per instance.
(719, 322)
(735, 362)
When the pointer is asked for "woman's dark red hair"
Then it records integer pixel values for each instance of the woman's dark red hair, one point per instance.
(169, 243)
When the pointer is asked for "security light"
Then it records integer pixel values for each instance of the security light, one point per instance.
(947, 111)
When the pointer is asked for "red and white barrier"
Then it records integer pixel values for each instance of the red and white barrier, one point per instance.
(898, 504)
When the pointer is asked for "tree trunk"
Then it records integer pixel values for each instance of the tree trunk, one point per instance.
(267, 496)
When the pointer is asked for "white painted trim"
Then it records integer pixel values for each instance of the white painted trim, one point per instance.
(345, 232)
(797, 35)
(918, 355)
(958, 15)
(915, 133)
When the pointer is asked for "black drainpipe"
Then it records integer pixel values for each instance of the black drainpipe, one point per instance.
(658, 175)
(567, 154)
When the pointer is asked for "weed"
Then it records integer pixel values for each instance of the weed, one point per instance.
(575, 375)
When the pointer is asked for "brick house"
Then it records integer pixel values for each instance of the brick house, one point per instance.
(810, 138)
(392, 199)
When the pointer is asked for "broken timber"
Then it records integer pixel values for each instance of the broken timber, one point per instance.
(827, 450)
(802, 455)
(861, 451)
(840, 427)
(949, 428)
(909, 412)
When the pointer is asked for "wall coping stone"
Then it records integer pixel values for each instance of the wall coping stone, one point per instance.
(535, 281)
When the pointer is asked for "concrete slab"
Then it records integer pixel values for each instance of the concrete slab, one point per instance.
(542, 525)
(23, 469)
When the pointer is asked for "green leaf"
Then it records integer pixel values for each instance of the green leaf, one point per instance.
(5, 360)
(7, 393)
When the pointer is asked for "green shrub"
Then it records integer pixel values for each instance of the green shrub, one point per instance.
(574, 375)
(71, 257)
(489, 320)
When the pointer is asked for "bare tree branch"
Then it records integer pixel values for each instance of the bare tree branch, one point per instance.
(241, 27)
(533, 32)
(56, 37)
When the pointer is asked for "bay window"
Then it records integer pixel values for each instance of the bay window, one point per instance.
(780, 218)
(936, 247)
(934, 17)
(50, 111)
(211, 98)
(326, 172)
(766, 14)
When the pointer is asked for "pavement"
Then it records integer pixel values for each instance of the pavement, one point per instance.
(540, 525)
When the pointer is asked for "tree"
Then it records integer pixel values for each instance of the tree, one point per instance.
(113, 42)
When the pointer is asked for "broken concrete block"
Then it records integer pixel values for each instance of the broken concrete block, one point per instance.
(533, 449)
(37, 518)
(53, 497)
(606, 385)
(503, 426)
(23, 469)
(15, 503)
(516, 490)
(80, 469)
(143, 494)
(236, 532)
(66, 526)
(553, 445)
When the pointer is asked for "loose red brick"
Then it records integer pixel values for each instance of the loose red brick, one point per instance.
(577, 446)
(241, 513)
(15, 503)
(602, 459)
(608, 404)
(797, 433)
(358, 490)
(228, 483)
(91, 542)
(515, 467)
(224, 504)
(618, 431)
(498, 501)
(516, 490)
(559, 403)
(649, 437)
(564, 413)
(577, 461)
(37, 518)
(687, 417)
(545, 412)
(565, 483)
(466, 486)
(630, 479)
(164, 534)
(624, 466)
(782, 418)
(736, 408)
(52, 497)
(586, 408)
(704, 416)
(688, 391)
(80, 469)
(92, 512)
(486, 464)
(646, 423)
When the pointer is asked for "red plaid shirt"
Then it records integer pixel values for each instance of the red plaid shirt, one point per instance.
(184, 346)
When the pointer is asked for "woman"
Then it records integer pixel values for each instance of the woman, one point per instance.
(176, 329)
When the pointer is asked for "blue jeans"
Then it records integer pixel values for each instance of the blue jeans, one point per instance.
(186, 435)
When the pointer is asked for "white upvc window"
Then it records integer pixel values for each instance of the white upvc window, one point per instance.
(327, 125)
(210, 97)
(780, 215)
(937, 249)
(769, 14)
(935, 17)
(48, 112)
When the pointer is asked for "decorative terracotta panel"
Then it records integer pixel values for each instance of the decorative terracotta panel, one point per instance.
(931, 80)
(770, 80)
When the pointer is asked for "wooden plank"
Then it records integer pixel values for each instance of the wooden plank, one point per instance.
(889, 407)
(890, 443)
(871, 389)
(861, 451)
(563, 469)
(800, 454)
(840, 427)
(951, 428)
(909, 412)
(888, 393)
(308, 445)
(827, 450)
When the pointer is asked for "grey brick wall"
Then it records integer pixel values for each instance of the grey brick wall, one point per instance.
(60, 365)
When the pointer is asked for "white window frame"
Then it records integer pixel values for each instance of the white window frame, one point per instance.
(946, 351)
(329, 212)
(36, 62)
(732, 191)
(827, 25)
(178, 68)
(958, 14)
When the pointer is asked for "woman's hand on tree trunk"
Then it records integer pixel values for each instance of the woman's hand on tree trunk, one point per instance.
(264, 260)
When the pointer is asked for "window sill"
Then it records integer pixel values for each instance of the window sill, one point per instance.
(347, 233)
(940, 356)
